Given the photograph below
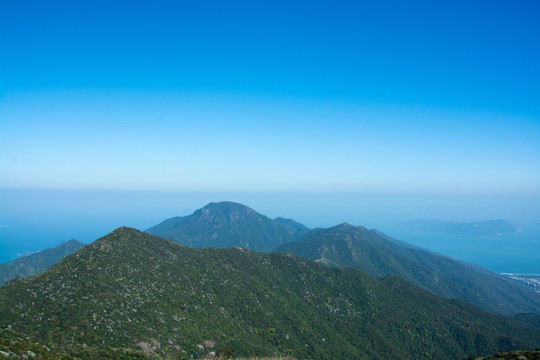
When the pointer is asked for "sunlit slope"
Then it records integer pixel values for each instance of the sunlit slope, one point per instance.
(380, 256)
(131, 288)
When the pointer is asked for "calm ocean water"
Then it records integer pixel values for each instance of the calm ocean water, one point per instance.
(517, 253)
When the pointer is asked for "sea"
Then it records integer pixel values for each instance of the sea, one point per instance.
(515, 253)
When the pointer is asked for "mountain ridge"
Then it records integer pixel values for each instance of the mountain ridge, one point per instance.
(222, 224)
(378, 255)
(132, 290)
(37, 262)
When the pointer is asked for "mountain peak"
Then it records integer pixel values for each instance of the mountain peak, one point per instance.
(124, 231)
(123, 234)
(228, 224)
(226, 207)
(226, 204)
(346, 227)
(225, 212)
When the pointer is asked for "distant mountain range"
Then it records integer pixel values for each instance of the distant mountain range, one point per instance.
(380, 256)
(229, 224)
(135, 291)
(37, 262)
(477, 228)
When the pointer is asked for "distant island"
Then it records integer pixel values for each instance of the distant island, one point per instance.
(478, 228)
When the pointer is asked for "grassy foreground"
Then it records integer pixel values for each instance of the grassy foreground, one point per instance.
(14, 345)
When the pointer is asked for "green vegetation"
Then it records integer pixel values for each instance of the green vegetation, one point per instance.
(17, 345)
(229, 224)
(293, 225)
(380, 256)
(131, 290)
(529, 319)
(38, 262)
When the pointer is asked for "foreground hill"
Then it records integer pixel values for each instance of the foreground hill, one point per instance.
(380, 256)
(133, 290)
(38, 262)
(228, 224)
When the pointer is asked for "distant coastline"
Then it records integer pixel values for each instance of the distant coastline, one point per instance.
(491, 228)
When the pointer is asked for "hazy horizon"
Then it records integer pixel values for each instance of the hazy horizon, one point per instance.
(39, 219)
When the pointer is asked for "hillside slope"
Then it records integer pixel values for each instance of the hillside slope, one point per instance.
(38, 262)
(133, 290)
(380, 256)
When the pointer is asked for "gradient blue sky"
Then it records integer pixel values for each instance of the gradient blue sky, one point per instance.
(338, 96)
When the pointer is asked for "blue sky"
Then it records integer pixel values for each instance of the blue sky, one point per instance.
(271, 96)
(128, 112)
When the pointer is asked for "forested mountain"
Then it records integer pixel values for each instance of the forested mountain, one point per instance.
(228, 224)
(294, 225)
(380, 256)
(132, 290)
(35, 263)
